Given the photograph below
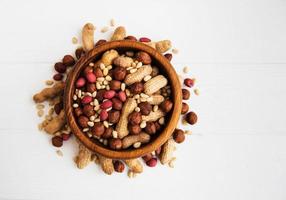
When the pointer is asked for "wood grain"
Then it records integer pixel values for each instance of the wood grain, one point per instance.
(165, 67)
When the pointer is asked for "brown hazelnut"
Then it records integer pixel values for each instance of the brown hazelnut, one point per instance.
(145, 108)
(185, 108)
(115, 85)
(107, 133)
(119, 73)
(186, 94)
(91, 87)
(134, 129)
(78, 112)
(99, 42)
(57, 141)
(118, 166)
(58, 77)
(191, 118)
(116, 104)
(82, 121)
(166, 105)
(147, 157)
(68, 60)
(98, 129)
(135, 118)
(150, 128)
(179, 135)
(60, 67)
(79, 53)
(113, 116)
(130, 37)
(88, 110)
(98, 72)
(59, 106)
(169, 56)
(115, 143)
(137, 88)
(143, 57)
(99, 95)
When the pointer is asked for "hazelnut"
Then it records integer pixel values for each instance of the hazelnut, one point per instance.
(179, 135)
(99, 95)
(57, 141)
(137, 88)
(166, 105)
(118, 166)
(58, 107)
(143, 57)
(145, 108)
(60, 67)
(116, 104)
(98, 72)
(98, 129)
(91, 87)
(191, 118)
(135, 118)
(119, 73)
(134, 129)
(58, 77)
(68, 60)
(87, 70)
(185, 108)
(186, 94)
(115, 143)
(169, 56)
(82, 121)
(79, 53)
(130, 37)
(113, 116)
(152, 162)
(99, 42)
(115, 85)
(77, 112)
(147, 157)
(88, 110)
(189, 82)
(150, 128)
(107, 133)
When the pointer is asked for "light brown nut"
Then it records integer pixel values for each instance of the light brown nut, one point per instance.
(123, 61)
(155, 84)
(138, 75)
(134, 165)
(132, 139)
(109, 56)
(56, 124)
(106, 164)
(121, 126)
(167, 150)
(163, 46)
(49, 93)
(153, 116)
(87, 36)
(83, 158)
(119, 33)
(156, 99)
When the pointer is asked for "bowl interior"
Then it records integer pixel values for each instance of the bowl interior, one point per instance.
(157, 60)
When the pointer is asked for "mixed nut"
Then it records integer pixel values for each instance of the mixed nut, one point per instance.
(121, 100)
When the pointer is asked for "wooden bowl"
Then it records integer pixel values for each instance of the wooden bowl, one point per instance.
(165, 68)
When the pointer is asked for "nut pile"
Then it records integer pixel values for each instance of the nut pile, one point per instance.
(121, 100)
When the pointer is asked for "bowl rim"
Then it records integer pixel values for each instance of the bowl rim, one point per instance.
(173, 80)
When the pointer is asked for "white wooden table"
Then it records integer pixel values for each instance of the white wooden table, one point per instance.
(237, 52)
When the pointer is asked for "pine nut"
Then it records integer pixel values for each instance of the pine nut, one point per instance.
(105, 123)
(91, 124)
(105, 72)
(162, 120)
(123, 86)
(75, 105)
(102, 66)
(143, 124)
(133, 71)
(147, 78)
(114, 134)
(137, 145)
(155, 108)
